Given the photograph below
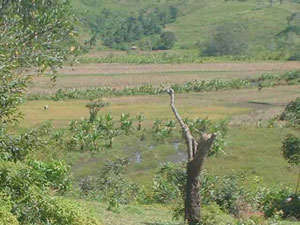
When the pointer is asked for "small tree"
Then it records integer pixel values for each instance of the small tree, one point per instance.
(229, 39)
(94, 107)
(168, 40)
(197, 152)
(291, 153)
(291, 113)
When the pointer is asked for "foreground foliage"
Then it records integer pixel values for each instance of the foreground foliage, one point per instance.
(234, 194)
(31, 35)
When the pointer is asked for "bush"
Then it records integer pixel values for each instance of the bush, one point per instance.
(26, 189)
(46, 209)
(168, 40)
(111, 185)
(212, 215)
(229, 39)
(169, 183)
(58, 211)
(18, 180)
(281, 202)
(19, 147)
(291, 113)
(291, 149)
(227, 192)
(6, 217)
(55, 174)
(294, 57)
(292, 77)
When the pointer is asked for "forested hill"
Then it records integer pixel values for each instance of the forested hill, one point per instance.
(254, 26)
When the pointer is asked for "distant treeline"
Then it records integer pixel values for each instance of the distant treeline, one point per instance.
(119, 32)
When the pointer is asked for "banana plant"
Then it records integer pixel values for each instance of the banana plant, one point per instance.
(157, 125)
(140, 118)
(126, 123)
(170, 126)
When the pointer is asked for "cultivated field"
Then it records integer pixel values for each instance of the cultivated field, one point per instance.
(253, 141)
(120, 75)
(245, 108)
(92, 134)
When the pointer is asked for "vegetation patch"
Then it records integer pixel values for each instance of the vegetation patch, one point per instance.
(267, 80)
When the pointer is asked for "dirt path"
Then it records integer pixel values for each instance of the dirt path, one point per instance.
(132, 68)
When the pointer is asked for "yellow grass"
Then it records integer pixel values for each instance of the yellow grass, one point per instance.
(62, 112)
(215, 105)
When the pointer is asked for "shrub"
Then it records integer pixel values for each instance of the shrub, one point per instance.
(292, 77)
(46, 209)
(212, 215)
(162, 129)
(229, 39)
(126, 123)
(58, 211)
(26, 189)
(291, 113)
(19, 147)
(294, 57)
(55, 174)
(282, 202)
(94, 107)
(228, 192)
(111, 185)
(169, 182)
(168, 40)
(18, 180)
(291, 149)
(6, 217)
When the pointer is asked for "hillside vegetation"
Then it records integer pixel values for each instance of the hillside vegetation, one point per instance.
(212, 28)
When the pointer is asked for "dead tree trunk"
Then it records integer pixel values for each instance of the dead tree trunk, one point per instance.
(197, 152)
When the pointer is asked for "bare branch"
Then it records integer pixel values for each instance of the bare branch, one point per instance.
(191, 142)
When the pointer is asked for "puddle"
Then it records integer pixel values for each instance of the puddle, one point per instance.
(151, 147)
(176, 145)
(137, 157)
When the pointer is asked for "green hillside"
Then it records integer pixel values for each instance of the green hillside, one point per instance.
(263, 27)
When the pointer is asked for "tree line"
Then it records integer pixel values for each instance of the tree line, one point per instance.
(120, 31)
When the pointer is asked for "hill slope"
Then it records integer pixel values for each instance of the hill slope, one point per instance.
(256, 22)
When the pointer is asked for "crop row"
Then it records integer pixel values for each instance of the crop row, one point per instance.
(177, 58)
(269, 80)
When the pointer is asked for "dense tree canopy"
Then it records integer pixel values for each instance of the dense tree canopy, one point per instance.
(32, 38)
(119, 31)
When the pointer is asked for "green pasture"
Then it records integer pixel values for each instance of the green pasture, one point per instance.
(197, 20)
(251, 147)
(253, 142)
(257, 152)
(139, 214)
